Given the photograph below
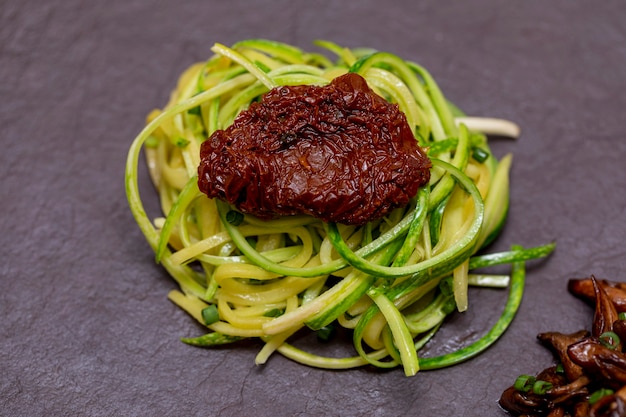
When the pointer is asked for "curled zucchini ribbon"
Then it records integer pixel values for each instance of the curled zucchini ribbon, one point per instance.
(392, 282)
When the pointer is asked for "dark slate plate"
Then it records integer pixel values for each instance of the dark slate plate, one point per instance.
(86, 328)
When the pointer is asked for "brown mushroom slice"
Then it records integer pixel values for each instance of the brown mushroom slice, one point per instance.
(583, 288)
(520, 403)
(599, 361)
(605, 313)
(581, 409)
(559, 342)
(564, 393)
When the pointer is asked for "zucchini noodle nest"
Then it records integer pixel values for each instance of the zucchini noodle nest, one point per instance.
(391, 282)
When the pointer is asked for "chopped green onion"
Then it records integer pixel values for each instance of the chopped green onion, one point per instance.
(234, 217)
(182, 142)
(479, 154)
(599, 394)
(560, 369)
(622, 315)
(210, 314)
(609, 340)
(524, 383)
(541, 387)
(325, 333)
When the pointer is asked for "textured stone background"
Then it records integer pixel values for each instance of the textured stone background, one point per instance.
(85, 326)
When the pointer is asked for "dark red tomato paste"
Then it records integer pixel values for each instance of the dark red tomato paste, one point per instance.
(339, 152)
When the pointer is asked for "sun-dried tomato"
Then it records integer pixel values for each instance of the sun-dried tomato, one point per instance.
(339, 152)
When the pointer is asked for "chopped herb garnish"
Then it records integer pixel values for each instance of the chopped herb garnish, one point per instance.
(210, 314)
(524, 383)
(599, 394)
(234, 217)
(479, 154)
(182, 142)
(541, 387)
(609, 340)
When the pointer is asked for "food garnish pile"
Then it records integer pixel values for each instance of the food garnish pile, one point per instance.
(590, 377)
(301, 193)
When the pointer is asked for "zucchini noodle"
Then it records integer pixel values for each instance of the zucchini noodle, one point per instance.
(392, 282)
